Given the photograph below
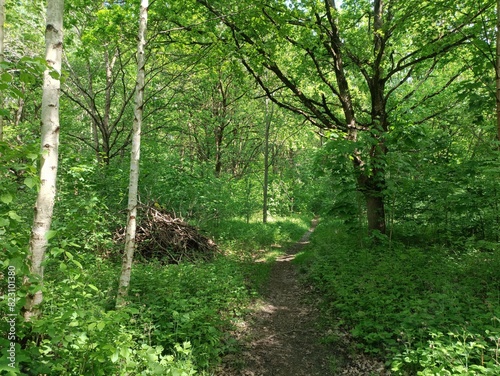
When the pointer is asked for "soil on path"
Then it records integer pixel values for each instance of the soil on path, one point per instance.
(281, 337)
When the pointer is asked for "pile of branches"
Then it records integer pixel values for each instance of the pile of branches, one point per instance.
(163, 236)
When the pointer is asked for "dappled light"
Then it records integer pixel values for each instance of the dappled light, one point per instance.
(281, 337)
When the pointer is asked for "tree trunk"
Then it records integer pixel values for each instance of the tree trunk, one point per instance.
(106, 121)
(95, 139)
(94, 127)
(371, 183)
(375, 211)
(368, 181)
(49, 152)
(269, 115)
(19, 112)
(219, 135)
(134, 160)
(375, 194)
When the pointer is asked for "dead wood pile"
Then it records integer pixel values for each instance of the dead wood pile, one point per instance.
(163, 236)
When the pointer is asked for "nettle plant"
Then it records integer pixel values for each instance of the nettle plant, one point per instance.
(462, 353)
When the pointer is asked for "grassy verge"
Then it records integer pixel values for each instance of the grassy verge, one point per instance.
(427, 310)
(256, 245)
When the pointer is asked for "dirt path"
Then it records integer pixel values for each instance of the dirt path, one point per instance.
(281, 338)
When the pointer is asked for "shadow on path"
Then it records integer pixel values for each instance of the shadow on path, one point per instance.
(281, 338)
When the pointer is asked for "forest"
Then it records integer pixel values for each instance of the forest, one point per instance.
(157, 158)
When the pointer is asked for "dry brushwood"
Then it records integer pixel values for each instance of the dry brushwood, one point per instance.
(163, 236)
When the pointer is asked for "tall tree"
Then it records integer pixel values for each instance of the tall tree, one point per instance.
(265, 187)
(134, 158)
(221, 126)
(49, 151)
(100, 82)
(344, 68)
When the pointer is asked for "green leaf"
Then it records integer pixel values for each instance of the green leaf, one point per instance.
(50, 234)
(6, 198)
(4, 222)
(55, 75)
(17, 93)
(27, 78)
(56, 251)
(6, 77)
(32, 156)
(29, 182)
(13, 215)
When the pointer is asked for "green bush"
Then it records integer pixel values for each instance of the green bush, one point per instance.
(95, 342)
(76, 335)
(192, 303)
(179, 316)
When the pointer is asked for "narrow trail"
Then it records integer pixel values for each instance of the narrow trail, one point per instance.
(281, 337)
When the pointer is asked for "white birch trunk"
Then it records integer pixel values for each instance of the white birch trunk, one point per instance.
(49, 150)
(134, 160)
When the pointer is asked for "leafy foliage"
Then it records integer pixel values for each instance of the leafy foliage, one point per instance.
(178, 319)
(429, 309)
(426, 297)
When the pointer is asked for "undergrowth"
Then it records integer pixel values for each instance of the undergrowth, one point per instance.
(428, 310)
(177, 321)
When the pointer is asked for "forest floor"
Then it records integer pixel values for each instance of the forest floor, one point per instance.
(282, 335)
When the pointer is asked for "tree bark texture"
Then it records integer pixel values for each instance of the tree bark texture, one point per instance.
(49, 151)
(375, 207)
(134, 159)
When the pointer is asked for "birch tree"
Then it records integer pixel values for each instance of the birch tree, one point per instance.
(49, 151)
(134, 159)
